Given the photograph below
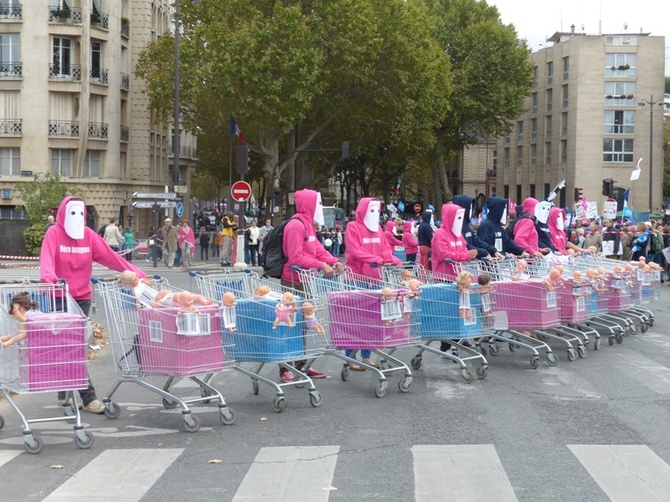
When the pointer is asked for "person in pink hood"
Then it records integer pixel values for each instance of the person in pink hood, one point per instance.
(390, 234)
(68, 251)
(558, 235)
(409, 241)
(302, 249)
(525, 233)
(366, 247)
(448, 243)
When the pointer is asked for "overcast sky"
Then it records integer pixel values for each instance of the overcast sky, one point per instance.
(537, 20)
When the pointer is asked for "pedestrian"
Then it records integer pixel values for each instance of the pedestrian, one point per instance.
(265, 230)
(252, 234)
(186, 242)
(151, 243)
(68, 252)
(113, 235)
(169, 235)
(128, 244)
(204, 244)
(337, 242)
(425, 238)
(50, 221)
(227, 235)
(640, 244)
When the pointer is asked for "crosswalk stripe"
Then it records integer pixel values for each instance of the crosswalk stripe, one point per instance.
(290, 473)
(8, 455)
(117, 475)
(459, 472)
(626, 472)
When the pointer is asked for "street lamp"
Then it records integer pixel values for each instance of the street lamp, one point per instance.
(175, 134)
(651, 102)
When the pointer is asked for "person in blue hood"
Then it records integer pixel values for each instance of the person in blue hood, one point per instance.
(491, 229)
(484, 250)
(425, 237)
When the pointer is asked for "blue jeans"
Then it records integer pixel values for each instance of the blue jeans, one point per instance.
(365, 353)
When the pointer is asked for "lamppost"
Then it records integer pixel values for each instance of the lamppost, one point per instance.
(175, 136)
(651, 102)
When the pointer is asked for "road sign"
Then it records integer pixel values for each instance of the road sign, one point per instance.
(157, 195)
(180, 209)
(417, 207)
(241, 191)
(149, 205)
(180, 188)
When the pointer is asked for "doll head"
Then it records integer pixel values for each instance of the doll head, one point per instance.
(602, 271)
(406, 275)
(307, 308)
(129, 278)
(617, 269)
(464, 279)
(186, 299)
(287, 298)
(646, 269)
(591, 273)
(577, 276)
(413, 285)
(387, 294)
(654, 266)
(642, 262)
(521, 265)
(228, 299)
(261, 291)
(628, 268)
(560, 269)
(554, 274)
(483, 279)
(571, 251)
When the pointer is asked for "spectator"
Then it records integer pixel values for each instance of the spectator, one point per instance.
(68, 252)
(227, 236)
(50, 221)
(169, 235)
(253, 234)
(611, 244)
(186, 242)
(204, 244)
(594, 240)
(409, 241)
(492, 232)
(425, 238)
(128, 244)
(113, 235)
(626, 242)
(640, 244)
(151, 248)
(264, 231)
(337, 242)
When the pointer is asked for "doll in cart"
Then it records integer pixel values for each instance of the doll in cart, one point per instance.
(405, 277)
(309, 314)
(229, 311)
(390, 306)
(553, 279)
(485, 290)
(284, 310)
(519, 273)
(19, 306)
(413, 293)
(464, 281)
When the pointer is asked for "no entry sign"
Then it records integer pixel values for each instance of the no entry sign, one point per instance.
(241, 191)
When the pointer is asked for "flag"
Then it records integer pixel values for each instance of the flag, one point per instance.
(236, 130)
(511, 207)
(627, 213)
(485, 212)
(585, 206)
(636, 172)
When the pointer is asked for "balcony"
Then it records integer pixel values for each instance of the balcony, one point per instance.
(125, 81)
(66, 72)
(14, 11)
(99, 76)
(97, 130)
(11, 127)
(71, 15)
(125, 27)
(99, 19)
(64, 128)
(11, 70)
(125, 134)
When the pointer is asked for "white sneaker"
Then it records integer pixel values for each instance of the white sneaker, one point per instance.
(62, 402)
(95, 407)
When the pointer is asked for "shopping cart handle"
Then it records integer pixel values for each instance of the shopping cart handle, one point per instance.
(295, 268)
(96, 280)
(62, 280)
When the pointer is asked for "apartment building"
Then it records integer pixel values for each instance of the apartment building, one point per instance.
(70, 104)
(584, 122)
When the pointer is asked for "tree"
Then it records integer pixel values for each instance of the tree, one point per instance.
(492, 74)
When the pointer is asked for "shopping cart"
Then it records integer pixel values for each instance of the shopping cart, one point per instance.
(149, 341)
(49, 354)
(266, 333)
(366, 313)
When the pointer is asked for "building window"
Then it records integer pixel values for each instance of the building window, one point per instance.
(547, 189)
(535, 77)
(534, 109)
(506, 191)
(532, 190)
(61, 162)
(533, 155)
(620, 93)
(10, 161)
(508, 139)
(619, 122)
(621, 40)
(550, 99)
(494, 163)
(10, 55)
(550, 72)
(547, 153)
(617, 150)
(548, 129)
(96, 60)
(519, 156)
(564, 124)
(620, 64)
(533, 129)
(506, 158)
(92, 164)
(518, 194)
(61, 57)
(566, 67)
(519, 131)
(564, 150)
(564, 97)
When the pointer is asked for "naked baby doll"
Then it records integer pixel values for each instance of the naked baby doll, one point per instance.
(284, 310)
(20, 305)
(463, 281)
(485, 289)
(412, 294)
(229, 311)
(309, 314)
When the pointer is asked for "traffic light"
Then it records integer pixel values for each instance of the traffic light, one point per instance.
(242, 159)
(608, 187)
(578, 194)
(345, 149)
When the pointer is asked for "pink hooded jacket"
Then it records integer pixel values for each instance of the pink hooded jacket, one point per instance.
(408, 239)
(390, 236)
(558, 237)
(364, 247)
(525, 233)
(186, 234)
(63, 257)
(446, 245)
(301, 247)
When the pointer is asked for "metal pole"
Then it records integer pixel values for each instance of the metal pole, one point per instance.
(651, 152)
(229, 198)
(175, 136)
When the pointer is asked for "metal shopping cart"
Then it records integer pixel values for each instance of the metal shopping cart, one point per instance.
(47, 353)
(167, 341)
(266, 332)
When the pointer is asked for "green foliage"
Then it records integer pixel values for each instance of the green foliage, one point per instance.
(39, 197)
(33, 236)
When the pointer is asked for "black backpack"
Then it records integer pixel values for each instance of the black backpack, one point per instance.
(273, 258)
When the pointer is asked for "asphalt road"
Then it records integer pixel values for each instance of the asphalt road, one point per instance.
(593, 429)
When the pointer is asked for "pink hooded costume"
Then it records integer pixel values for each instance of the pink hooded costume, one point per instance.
(186, 234)
(71, 258)
(301, 247)
(525, 233)
(364, 246)
(390, 236)
(448, 242)
(557, 230)
(408, 239)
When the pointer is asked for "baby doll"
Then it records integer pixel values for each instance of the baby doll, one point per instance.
(463, 281)
(229, 312)
(412, 294)
(142, 290)
(592, 279)
(390, 306)
(655, 270)
(186, 301)
(485, 289)
(519, 273)
(20, 304)
(261, 291)
(577, 283)
(617, 282)
(284, 310)
(405, 277)
(551, 280)
(309, 314)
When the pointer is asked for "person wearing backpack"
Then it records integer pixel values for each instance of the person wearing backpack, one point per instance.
(655, 245)
(302, 249)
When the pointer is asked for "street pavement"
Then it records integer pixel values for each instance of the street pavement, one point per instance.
(593, 429)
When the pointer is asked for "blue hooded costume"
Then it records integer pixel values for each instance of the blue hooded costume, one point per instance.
(473, 240)
(491, 230)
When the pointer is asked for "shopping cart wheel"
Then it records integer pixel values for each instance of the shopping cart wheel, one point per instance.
(632, 329)
(112, 411)
(35, 446)
(493, 349)
(2, 421)
(644, 327)
(482, 371)
(85, 442)
(416, 362)
(651, 322)
(193, 425)
(315, 399)
(581, 350)
(572, 354)
(552, 360)
(380, 390)
(344, 374)
(405, 384)
(169, 404)
(279, 404)
(534, 361)
(466, 375)
(611, 340)
(512, 347)
(596, 344)
(618, 336)
(227, 415)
